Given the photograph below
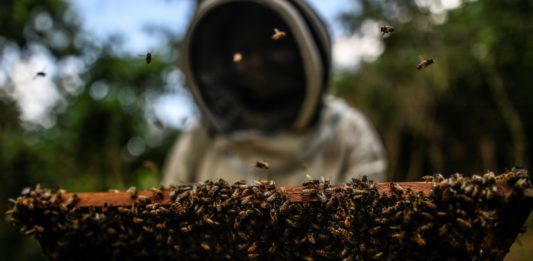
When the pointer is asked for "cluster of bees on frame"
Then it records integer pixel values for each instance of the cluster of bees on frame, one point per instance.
(386, 30)
(217, 220)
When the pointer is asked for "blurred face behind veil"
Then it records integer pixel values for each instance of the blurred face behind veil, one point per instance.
(266, 88)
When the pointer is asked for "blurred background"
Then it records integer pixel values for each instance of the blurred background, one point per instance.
(100, 118)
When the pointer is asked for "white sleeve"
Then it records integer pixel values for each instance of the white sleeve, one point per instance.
(365, 155)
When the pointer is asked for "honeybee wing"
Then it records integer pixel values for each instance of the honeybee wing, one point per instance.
(421, 58)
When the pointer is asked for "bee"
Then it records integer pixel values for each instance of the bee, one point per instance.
(427, 178)
(200, 210)
(424, 63)
(262, 164)
(292, 223)
(38, 229)
(133, 192)
(243, 246)
(341, 232)
(158, 123)
(147, 57)
(257, 191)
(73, 200)
(213, 190)
(311, 238)
(151, 166)
(265, 205)
(205, 246)
(270, 196)
(40, 74)
(377, 256)
(396, 188)
(345, 251)
(273, 217)
(464, 224)
(426, 216)
(386, 30)
(186, 229)
(123, 210)
(489, 178)
(375, 230)
(381, 221)
(278, 34)
(429, 205)
(273, 247)
(157, 193)
(209, 221)
(323, 197)
(148, 229)
(237, 57)
(252, 248)
(246, 200)
(111, 231)
(417, 238)
(183, 195)
(406, 217)
(253, 255)
(443, 230)
(521, 184)
(426, 227)
(321, 253)
(398, 236)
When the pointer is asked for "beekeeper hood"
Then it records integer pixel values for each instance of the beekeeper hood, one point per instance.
(276, 85)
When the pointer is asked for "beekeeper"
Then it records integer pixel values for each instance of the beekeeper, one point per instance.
(259, 73)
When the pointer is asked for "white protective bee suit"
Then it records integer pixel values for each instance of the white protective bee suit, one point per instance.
(272, 104)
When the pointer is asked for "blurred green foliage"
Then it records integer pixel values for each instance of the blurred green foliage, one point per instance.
(469, 112)
(86, 148)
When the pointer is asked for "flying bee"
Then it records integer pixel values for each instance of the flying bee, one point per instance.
(424, 63)
(151, 166)
(278, 34)
(158, 123)
(261, 164)
(41, 73)
(386, 30)
(237, 57)
(147, 57)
